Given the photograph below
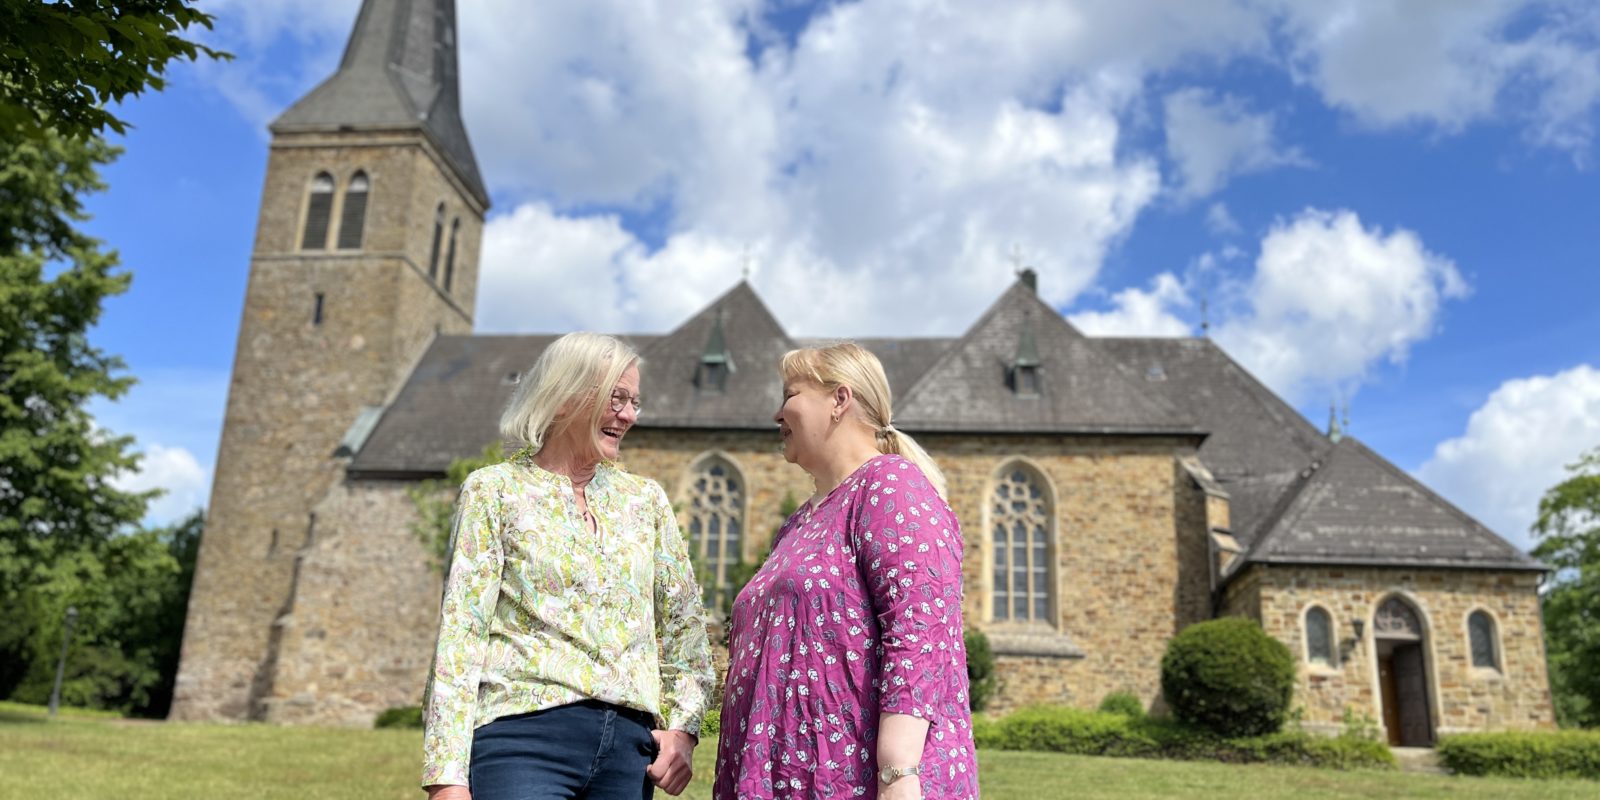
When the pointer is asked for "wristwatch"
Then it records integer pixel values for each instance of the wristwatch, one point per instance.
(889, 775)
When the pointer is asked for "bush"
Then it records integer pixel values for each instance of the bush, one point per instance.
(711, 724)
(1125, 703)
(1228, 677)
(1524, 754)
(981, 680)
(400, 717)
(1070, 730)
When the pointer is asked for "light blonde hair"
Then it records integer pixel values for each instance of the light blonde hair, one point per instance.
(574, 374)
(850, 364)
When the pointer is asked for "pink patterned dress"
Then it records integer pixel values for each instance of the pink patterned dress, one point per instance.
(857, 611)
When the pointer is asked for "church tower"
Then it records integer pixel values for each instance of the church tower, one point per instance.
(366, 249)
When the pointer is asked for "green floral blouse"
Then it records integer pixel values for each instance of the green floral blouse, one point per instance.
(539, 612)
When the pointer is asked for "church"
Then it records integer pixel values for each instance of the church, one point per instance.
(1111, 490)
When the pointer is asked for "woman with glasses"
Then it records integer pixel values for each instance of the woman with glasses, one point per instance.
(572, 660)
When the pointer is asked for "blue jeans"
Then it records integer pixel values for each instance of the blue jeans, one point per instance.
(589, 750)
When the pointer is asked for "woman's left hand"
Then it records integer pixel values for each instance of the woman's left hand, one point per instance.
(674, 765)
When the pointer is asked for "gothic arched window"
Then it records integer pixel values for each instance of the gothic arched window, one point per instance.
(1020, 532)
(450, 254)
(1480, 632)
(318, 208)
(1320, 646)
(438, 234)
(716, 521)
(353, 216)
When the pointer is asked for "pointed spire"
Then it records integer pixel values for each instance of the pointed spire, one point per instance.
(398, 72)
(1334, 433)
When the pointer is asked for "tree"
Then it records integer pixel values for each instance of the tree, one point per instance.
(57, 500)
(1568, 527)
(63, 63)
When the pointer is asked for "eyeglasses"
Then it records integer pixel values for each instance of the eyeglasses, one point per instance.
(620, 399)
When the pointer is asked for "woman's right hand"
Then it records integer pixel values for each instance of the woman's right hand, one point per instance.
(441, 791)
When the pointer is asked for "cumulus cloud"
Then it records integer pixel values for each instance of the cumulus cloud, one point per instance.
(1449, 64)
(1330, 297)
(1212, 139)
(1138, 312)
(1516, 446)
(183, 483)
(1220, 221)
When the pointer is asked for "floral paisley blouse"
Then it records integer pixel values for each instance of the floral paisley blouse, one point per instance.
(539, 612)
(856, 612)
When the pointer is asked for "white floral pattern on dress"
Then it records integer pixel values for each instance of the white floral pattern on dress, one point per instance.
(540, 612)
(856, 612)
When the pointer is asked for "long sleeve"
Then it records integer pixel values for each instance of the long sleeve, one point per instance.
(687, 677)
(908, 545)
(471, 592)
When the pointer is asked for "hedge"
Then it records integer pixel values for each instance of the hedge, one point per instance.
(1070, 730)
(400, 717)
(1523, 754)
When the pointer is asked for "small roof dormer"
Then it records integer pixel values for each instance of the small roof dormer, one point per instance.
(716, 361)
(1023, 374)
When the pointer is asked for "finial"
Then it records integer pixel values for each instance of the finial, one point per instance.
(1334, 432)
(745, 261)
(1347, 415)
(1205, 315)
(1016, 258)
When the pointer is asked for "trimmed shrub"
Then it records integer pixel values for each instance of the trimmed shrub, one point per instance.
(981, 679)
(1228, 677)
(1070, 730)
(711, 724)
(400, 717)
(1524, 754)
(1125, 703)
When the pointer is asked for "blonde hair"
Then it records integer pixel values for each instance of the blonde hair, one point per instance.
(575, 373)
(850, 364)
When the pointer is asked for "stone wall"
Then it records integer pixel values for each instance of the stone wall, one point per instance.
(297, 385)
(1462, 697)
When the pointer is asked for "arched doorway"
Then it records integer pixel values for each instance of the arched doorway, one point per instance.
(1401, 644)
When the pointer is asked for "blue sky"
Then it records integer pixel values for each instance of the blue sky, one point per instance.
(1393, 205)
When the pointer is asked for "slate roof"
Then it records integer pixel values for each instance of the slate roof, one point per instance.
(1296, 497)
(398, 71)
(1355, 508)
(754, 341)
(1258, 444)
(1080, 389)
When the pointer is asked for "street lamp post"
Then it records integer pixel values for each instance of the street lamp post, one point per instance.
(61, 666)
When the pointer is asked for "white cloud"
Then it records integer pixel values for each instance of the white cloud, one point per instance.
(177, 473)
(1330, 297)
(1220, 221)
(1516, 446)
(1449, 63)
(1212, 139)
(1138, 312)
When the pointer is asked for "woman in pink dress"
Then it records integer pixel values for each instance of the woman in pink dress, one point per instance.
(847, 675)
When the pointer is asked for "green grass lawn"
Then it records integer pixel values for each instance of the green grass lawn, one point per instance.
(89, 755)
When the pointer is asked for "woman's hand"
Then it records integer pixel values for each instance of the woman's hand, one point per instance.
(906, 788)
(674, 765)
(441, 791)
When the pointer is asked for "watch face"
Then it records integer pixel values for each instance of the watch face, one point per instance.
(886, 774)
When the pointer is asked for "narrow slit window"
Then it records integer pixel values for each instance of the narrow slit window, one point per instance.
(318, 208)
(353, 217)
(1480, 629)
(316, 309)
(1319, 636)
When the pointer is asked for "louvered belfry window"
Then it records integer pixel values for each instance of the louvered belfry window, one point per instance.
(318, 208)
(353, 216)
(1020, 521)
(450, 254)
(716, 521)
(438, 235)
